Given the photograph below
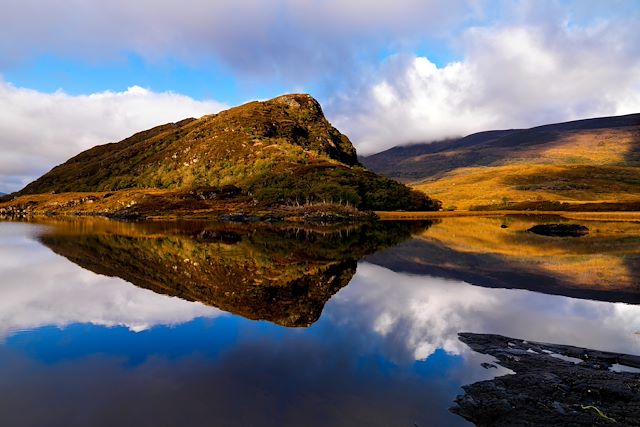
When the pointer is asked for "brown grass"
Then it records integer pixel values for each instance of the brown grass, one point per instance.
(466, 188)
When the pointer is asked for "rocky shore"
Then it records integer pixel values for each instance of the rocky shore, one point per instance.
(553, 385)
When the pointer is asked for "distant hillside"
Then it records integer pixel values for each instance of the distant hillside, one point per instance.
(586, 161)
(281, 151)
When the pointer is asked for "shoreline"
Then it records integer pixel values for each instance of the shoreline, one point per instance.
(552, 384)
(593, 216)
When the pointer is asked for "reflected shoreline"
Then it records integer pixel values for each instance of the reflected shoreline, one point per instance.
(500, 253)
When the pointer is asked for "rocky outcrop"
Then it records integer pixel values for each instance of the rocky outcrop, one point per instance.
(560, 230)
(553, 385)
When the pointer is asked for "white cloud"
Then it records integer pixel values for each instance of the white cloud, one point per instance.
(40, 288)
(511, 76)
(40, 130)
(416, 315)
(552, 62)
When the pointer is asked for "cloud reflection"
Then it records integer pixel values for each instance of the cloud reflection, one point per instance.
(416, 315)
(40, 288)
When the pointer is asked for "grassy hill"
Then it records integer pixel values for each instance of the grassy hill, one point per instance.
(587, 164)
(277, 152)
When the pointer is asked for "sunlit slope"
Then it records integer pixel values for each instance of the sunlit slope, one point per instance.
(277, 152)
(528, 186)
(589, 161)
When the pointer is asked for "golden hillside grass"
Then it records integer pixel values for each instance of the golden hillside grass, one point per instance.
(591, 147)
(500, 186)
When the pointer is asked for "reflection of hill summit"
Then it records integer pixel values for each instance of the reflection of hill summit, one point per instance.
(284, 276)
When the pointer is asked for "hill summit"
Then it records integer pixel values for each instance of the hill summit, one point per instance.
(277, 152)
(230, 147)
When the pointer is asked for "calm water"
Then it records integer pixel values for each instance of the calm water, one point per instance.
(197, 324)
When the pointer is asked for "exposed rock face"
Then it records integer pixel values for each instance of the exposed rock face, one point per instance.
(554, 385)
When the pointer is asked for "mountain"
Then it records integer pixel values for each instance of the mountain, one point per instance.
(586, 164)
(260, 154)
(232, 147)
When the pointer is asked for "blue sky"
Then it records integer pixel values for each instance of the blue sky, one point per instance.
(77, 73)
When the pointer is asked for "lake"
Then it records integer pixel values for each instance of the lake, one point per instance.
(200, 324)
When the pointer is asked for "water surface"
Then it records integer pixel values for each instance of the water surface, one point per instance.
(203, 324)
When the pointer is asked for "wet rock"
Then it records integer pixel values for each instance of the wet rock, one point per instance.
(486, 365)
(560, 230)
(549, 391)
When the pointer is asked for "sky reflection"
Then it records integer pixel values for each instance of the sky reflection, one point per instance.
(418, 314)
(83, 349)
(40, 288)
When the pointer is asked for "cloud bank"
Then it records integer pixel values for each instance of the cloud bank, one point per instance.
(510, 77)
(373, 65)
(296, 39)
(40, 130)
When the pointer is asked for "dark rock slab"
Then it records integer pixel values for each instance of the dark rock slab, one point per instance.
(560, 230)
(553, 385)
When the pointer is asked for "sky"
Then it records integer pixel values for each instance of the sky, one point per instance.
(78, 73)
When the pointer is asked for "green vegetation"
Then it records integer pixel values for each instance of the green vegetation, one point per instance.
(349, 186)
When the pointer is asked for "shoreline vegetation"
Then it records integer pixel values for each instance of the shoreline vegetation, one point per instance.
(157, 204)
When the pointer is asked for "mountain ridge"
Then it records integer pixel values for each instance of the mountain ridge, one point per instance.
(288, 121)
(551, 167)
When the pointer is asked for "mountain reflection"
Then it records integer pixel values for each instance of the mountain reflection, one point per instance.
(263, 272)
(500, 253)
